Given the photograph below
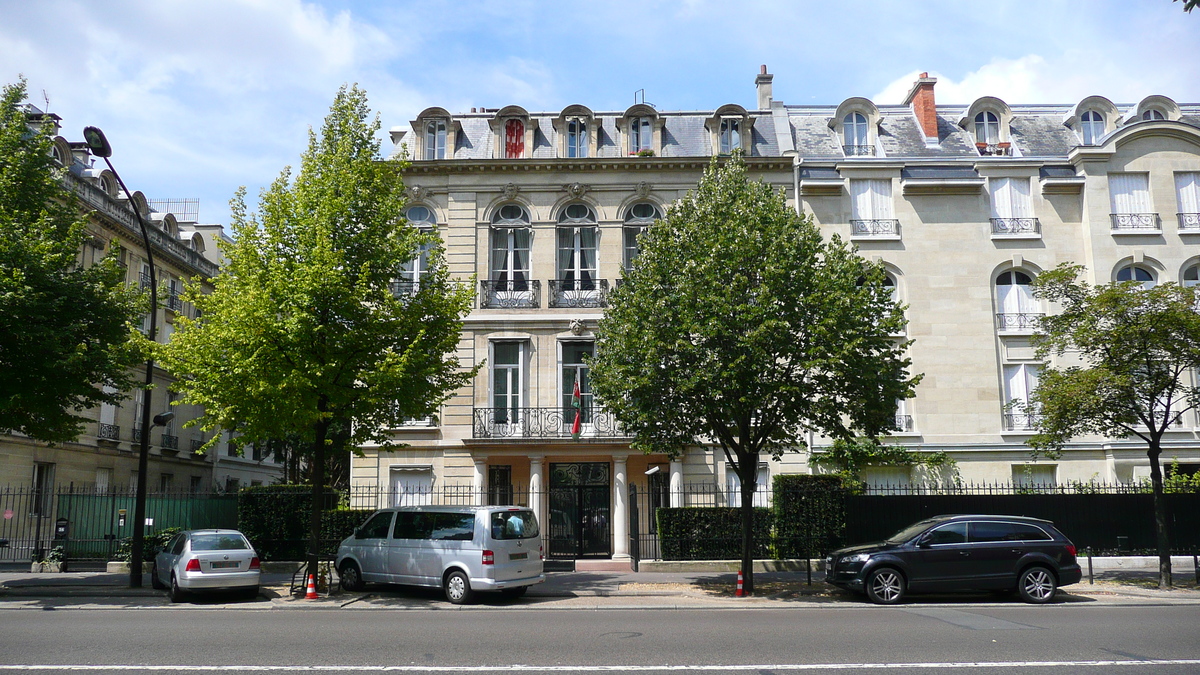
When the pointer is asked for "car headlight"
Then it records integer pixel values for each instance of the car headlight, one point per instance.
(856, 558)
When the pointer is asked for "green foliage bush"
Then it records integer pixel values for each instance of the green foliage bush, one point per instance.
(151, 543)
(810, 514)
(275, 520)
(710, 533)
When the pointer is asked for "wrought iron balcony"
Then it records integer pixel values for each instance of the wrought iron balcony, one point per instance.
(904, 423)
(137, 432)
(858, 150)
(401, 288)
(1134, 222)
(1011, 227)
(1021, 322)
(231, 449)
(109, 432)
(1021, 421)
(170, 442)
(196, 444)
(1189, 222)
(174, 302)
(578, 293)
(875, 227)
(510, 294)
(145, 279)
(544, 423)
(994, 149)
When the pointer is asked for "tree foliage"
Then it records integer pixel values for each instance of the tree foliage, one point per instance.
(849, 457)
(303, 328)
(740, 327)
(66, 329)
(1136, 349)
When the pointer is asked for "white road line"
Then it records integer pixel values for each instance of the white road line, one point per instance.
(594, 669)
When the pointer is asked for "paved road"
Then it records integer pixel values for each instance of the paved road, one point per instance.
(943, 636)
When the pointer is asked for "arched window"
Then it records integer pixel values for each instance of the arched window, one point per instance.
(1153, 114)
(577, 248)
(514, 139)
(435, 139)
(987, 128)
(577, 138)
(1016, 308)
(641, 135)
(639, 217)
(1092, 127)
(854, 135)
(731, 135)
(413, 270)
(1191, 277)
(1136, 273)
(511, 237)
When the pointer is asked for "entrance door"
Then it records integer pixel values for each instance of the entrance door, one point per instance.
(580, 504)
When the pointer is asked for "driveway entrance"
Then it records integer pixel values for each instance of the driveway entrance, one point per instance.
(580, 504)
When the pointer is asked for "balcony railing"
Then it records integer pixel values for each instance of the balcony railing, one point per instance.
(510, 294)
(1021, 421)
(402, 288)
(1011, 227)
(543, 423)
(1189, 222)
(196, 444)
(174, 302)
(858, 150)
(1021, 322)
(137, 432)
(904, 423)
(170, 442)
(1134, 222)
(994, 149)
(578, 293)
(875, 227)
(109, 432)
(145, 280)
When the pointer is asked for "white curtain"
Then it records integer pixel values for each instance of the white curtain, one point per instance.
(1187, 187)
(1010, 198)
(1019, 381)
(762, 487)
(871, 198)
(1130, 192)
(1016, 298)
(412, 487)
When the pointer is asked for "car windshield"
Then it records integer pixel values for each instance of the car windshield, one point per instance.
(219, 542)
(909, 532)
(514, 525)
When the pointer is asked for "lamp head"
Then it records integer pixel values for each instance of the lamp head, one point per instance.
(163, 419)
(96, 142)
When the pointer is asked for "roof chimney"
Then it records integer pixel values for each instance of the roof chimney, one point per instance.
(920, 97)
(763, 84)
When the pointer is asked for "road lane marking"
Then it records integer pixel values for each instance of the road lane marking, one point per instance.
(596, 669)
(970, 620)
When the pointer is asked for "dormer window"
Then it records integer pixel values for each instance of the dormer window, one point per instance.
(1153, 114)
(987, 128)
(577, 138)
(641, 135)
(731, 136)
(1092, 126)
(854, 135)
(435, 139)
(514, 139)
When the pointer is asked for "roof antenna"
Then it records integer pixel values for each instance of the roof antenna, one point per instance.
(46, 98)
(639, 96)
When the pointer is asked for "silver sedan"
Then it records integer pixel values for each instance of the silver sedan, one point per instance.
(206, 560)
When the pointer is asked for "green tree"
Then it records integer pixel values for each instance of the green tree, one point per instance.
(1136, 349)
(303, 329)
(850, 456)
(740, 328)
(66, 329)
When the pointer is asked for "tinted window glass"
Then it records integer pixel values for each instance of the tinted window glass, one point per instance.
(954, 533)
(218, 542)
(176, 545)
(909, 532)
(412, 525)
(984, 532)
(1023, 532)
(514, 525)
(376, 527)
(453, 526)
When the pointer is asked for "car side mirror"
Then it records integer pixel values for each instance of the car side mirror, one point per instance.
(924, 542)
(358, 533)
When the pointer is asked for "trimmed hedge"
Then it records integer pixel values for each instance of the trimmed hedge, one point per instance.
(710, 533)
(275, 520)
(810, 514)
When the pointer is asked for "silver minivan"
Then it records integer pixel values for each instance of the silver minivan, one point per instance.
(461, 549)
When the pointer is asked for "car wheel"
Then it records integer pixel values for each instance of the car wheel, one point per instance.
(513, 593)
(1037, 585)
(351, 577)
(885, 586)
(155, 582)
(177, 594)
(458, 588)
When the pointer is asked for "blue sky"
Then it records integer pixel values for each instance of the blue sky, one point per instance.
(200, 97)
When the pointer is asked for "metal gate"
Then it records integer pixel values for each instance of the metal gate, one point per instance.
(580, 510)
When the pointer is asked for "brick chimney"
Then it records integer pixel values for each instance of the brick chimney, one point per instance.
(763, 84)
(920, 97)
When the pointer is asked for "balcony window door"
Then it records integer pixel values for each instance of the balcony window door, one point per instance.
(413, 270)
(871, 199)
(577, 250)
(641, 135)
(1187, 190)
(730, 136)
(987, 128)
(514, 139)
(435, 139)
(577, 138)
(1130, 194)
(1017, 307)
(510, 258)
(574, 370)
(1010, 198)
(854, 134)
(507, 382)
(639, 217)
(1020, 380)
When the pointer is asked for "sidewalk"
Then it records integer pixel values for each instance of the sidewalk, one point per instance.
(561, 589)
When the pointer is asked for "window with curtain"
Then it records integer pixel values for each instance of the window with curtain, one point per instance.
(510, 248)
(1187, 191)
(1092, 127)
(1020, 380)
(1034, 475)
(641, 135)
(1129, 192)
(731, 136)
(575, 370)
(987, 128)
(435, 139)
(1010, 198)
(577, 138)
(412, 270)
(514, 139)
(506, 382)
(1017, 307)
(762, 486)
(1136, 273)
(577, 248)
(871, 198)
(637, 219)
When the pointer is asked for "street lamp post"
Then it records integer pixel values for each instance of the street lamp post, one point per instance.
(99, 147)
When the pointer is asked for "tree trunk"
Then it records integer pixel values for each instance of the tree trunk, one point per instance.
(748, 470)
(1162, 541)
(318, 491)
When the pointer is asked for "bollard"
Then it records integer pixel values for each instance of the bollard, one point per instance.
(1091, 579)
(739, 592)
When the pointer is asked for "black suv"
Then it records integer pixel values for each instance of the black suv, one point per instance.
(959, 553)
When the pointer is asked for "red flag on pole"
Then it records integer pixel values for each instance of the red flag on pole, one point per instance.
(577, 403)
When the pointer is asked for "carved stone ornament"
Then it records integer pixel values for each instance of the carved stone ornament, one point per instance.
(417, 193)
(576, 190)
(576, 327)
(510, 190)
(643, 189)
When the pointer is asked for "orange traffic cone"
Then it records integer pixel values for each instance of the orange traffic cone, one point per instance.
(312, 588)
(739, 592)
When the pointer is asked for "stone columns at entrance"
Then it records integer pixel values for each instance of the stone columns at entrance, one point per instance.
(620, 515)
(477, 480)
(676, 485)
(536, 490)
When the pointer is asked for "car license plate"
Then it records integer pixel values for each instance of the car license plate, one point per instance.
(220, 565)
(518, 556)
